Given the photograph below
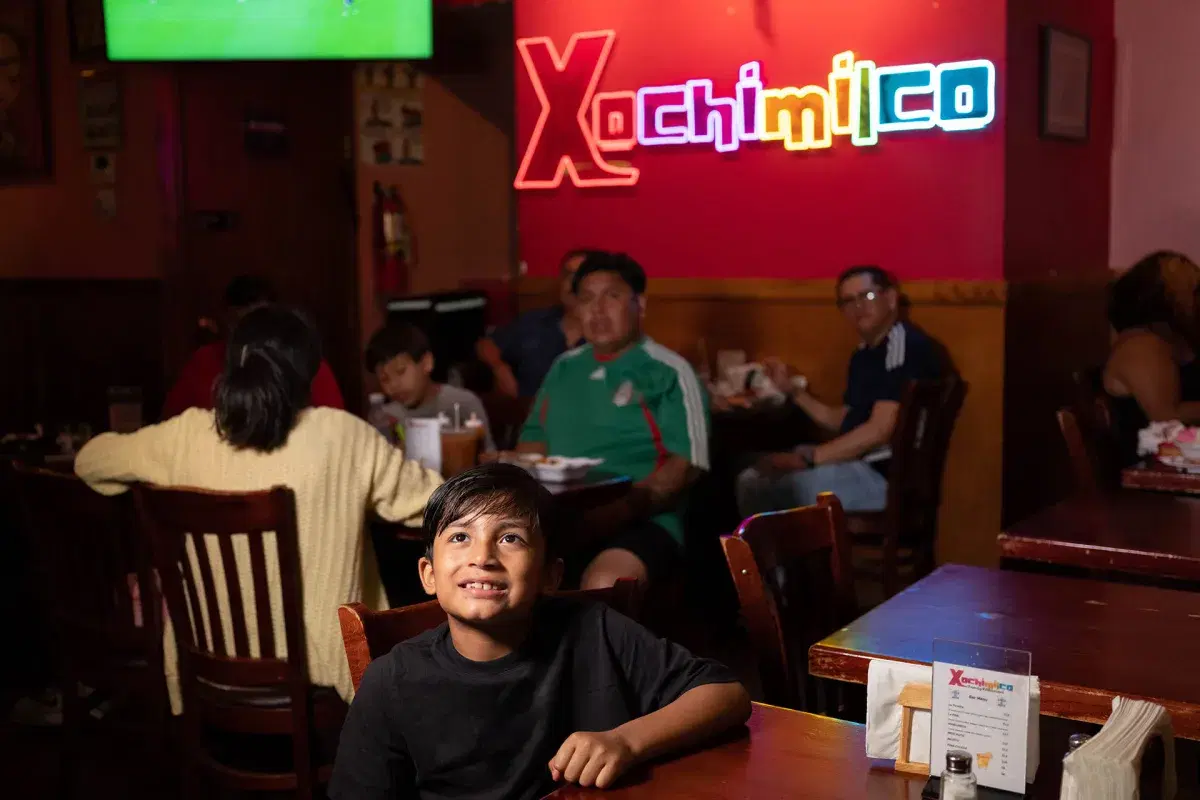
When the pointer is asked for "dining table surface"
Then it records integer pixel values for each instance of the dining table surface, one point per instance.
(1152, 475)
(1090, 641)
(1136, 532)
(782, 754)
(790, 755)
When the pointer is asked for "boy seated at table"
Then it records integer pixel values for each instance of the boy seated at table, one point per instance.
(400, 356)
(518, 691)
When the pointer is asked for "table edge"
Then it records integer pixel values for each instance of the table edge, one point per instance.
(1063, 700)
(1021, 547)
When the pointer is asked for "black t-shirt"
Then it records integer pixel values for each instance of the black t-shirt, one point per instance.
(427, 723)
(881, 373)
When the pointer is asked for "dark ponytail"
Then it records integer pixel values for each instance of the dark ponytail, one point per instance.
(270, 362)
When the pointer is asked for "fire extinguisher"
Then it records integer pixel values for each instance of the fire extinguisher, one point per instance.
(395, 245)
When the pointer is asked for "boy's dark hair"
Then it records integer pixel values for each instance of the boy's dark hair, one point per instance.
(881, 277)
(396, 339)
(270, 361)
(620, 264)
(1142, 296)
(245, 291)
(492, 489)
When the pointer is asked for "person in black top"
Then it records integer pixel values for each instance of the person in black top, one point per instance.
(518, 691)
(1152, 373)
(854, 464)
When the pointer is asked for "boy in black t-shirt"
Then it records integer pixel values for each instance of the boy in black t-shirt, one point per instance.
(518, 691)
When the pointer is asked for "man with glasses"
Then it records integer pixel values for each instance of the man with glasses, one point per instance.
(854, 464)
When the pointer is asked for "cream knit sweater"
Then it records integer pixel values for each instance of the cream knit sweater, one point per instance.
(337, 465)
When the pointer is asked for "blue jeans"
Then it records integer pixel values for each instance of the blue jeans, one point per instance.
(858, 485)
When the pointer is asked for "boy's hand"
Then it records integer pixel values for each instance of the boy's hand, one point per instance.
(592, 759)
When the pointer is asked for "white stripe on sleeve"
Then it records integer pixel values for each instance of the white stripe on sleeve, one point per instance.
(693, 400)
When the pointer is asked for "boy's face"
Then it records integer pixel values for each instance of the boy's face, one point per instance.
(489, 569)
(404, 380)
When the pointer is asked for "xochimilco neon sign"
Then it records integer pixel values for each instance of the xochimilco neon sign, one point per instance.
(578, 125)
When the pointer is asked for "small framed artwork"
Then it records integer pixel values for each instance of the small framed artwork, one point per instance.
(25, 145)
(1066, 91)
(88, 44)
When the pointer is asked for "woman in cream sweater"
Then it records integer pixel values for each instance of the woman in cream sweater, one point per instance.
(262, 433)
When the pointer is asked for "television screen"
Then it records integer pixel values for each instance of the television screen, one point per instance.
(258, 30)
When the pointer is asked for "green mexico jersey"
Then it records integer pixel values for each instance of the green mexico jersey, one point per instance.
(633, 411)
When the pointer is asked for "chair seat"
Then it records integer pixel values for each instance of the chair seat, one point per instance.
(266, 709)
(261, 697)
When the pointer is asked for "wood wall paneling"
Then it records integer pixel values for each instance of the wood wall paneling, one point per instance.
(63, 343)
(1053, 328)
(797, 321)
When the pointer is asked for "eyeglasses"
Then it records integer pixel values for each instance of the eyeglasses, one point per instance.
(859, 299)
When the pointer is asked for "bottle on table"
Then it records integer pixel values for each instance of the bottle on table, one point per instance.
(1077, 741)
(958, 781)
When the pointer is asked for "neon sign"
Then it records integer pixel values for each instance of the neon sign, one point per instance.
(578, 125)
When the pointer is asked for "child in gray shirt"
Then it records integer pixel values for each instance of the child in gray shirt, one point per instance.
(400, 357)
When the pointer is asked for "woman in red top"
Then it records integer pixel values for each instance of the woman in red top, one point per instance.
(194, 387)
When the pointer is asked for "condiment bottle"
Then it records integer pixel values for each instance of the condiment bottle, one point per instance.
(1076, 741)
(958, 781)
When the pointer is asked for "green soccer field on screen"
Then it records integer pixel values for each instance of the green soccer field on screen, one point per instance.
(214, 30)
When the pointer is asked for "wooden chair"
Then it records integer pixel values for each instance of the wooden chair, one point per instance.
(367, 634)
(91, 560)
(1097, 444)
(905, 532)
(506, 417)
(795, 586)
(1083, 468)
(227, 691)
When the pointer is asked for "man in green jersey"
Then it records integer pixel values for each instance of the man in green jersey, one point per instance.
(632, 402)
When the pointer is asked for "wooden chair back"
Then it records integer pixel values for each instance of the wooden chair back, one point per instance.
(367, 634)
(795, 586)
(1098, 434)
(506, 417)
(1083, 467)
(920, 444)
(213, 552)
(102, 599)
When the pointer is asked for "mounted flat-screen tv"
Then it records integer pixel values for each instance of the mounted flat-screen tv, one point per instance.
(268, 30)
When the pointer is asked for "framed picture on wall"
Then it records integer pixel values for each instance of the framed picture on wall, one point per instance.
(1066, 92)
(25, 145)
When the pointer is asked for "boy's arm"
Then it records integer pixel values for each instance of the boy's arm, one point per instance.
(683, 700)
(372, 759)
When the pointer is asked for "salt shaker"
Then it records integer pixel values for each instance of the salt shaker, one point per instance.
(958, 781)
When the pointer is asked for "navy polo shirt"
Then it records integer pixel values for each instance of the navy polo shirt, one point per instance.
(881, 372)
(529, 344)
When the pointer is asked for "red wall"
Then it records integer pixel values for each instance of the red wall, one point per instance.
(923, 204)
(1057, 193)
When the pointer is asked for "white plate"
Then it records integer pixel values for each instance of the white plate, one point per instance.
(563, 470)
(1179, 462)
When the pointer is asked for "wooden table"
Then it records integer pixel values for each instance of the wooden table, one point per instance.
(1090, 640)
(1134, 532)
(594, 489)
(788, 754)
(1158, 477)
